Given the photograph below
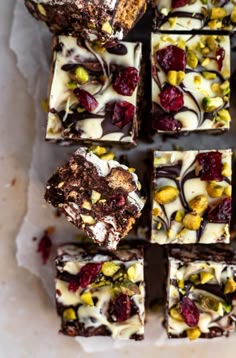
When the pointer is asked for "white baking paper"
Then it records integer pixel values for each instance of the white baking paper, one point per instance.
(31, 43)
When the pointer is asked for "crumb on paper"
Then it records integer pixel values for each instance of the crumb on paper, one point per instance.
(45, 244)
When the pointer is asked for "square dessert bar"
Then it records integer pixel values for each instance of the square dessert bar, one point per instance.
(190, 83)
(99, 196)
(93, 94)
(99, 293)
(201, 292)
(191, 197)
(187, 15)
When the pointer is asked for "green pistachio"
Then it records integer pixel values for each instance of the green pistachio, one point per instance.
(129, 288)
(69, 314)
(211, 104)
(81, 75)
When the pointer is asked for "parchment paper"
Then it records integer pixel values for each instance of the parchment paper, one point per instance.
(31, 43)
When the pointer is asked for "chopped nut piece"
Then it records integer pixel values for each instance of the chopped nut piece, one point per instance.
(155, 211)
(230, 286)
(108, 156)
(95, 196)
(192, 59)
(175, 77)
(86, 205)
(81, 75)
(209, 75)
(218, 13)
(109, 268)
(206, 277)
(233, 15)
(226, 171)
(193, 333)
(211, 104)
(166, 194)
(86, 298)
(179, 215)
(228, 190)
(41, 9)
(98, 150)
(214, 190)
(175, 314)
(199, 204)
(192, 221)
(133, 272)
(106, 27)
(69, 314)
(87, 219)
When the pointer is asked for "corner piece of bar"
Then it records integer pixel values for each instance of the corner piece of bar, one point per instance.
(100, 293)
(198, 15)
(201, 292)
(191, 197)
(101, 197)
(190, 83)
(94, 92)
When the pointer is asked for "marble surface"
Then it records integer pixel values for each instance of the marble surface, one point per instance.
(28, 321)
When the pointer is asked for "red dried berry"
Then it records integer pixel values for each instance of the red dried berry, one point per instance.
(220, 55)
(88, 273)
(211, 166)
(172, 58)
(118, 200)
(74, 284)
(123, 113)
(189, 311)
(44, 247)
(178, 3)
(125, 81)
(167, 123)
(171, 98)
(221, 213)
(122, 308)
(86, 99)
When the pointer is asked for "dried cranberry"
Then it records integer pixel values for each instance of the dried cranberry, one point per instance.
(125, 81)
(171, 98)
(74, 284)
(123, 113)
(220, 55)
(189, 311)
(88, 273)
(166, 123)
(118, 200)
(172, 58)
(178, 3)
(122, 308)
(222, 212)
(44, 247)
(86, 99)
(211, 166)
